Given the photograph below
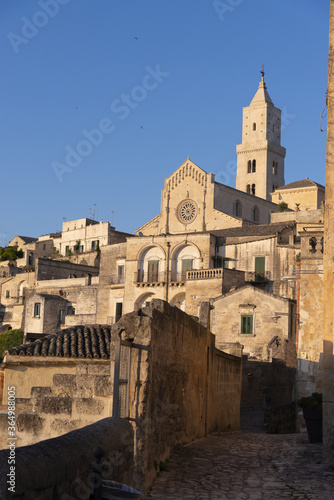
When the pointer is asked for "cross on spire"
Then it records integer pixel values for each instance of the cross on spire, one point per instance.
(262, 72)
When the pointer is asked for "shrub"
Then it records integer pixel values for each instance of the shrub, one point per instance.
(282, 207)
(9, 339)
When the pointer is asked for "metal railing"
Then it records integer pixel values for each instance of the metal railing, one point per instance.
(147, 277)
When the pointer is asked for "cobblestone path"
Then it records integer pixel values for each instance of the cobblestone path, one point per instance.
(246, 464)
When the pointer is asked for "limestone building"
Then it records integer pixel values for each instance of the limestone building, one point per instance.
(260, 166)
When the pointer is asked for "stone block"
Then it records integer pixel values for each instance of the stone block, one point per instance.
(54, 405)
(82, 369)
(37, 392)
(103, 386)
(28, 422)
(99, 369)
(64, 380)
(85, 386)
(89, 406)
(62, 426)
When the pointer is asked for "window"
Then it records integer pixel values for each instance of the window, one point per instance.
(254, 214)
(95, 244)
(248, 189)
(259, 268)
(67, 249)
(7, 294)
(247, 324)
(254, 166)
(237, 209)
(44, 247)
(254, 126)
(275, 167)
(70, 311)
(249, 168)
(253, 189)
(186, 265)
(152, 271)
(37, 310)
(120, 274)
(118, 311)
(61, 316)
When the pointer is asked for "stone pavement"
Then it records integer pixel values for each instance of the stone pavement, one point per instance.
(246, 464)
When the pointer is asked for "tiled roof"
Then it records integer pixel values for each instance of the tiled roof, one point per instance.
(255, 230)
(300, 184)
(89, 342)
(27, 239)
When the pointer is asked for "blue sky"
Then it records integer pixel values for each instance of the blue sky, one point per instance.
(159, 80)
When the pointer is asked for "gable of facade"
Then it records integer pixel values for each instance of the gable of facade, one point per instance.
(258, 320)
(192, 201)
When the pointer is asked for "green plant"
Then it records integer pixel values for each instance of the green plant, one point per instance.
(9, 339)
(314, 401)
(282, 206)
(10, 253)
(76, 247)
(298, 257)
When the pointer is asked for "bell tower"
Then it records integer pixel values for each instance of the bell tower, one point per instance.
(260, 165)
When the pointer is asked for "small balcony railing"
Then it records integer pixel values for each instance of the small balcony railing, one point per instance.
(204, 274)
(146, 277)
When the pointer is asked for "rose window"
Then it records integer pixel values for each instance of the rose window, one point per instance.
(187, 211)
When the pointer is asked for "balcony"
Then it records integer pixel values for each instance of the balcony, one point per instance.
(143, 278)
(258, 277)
(204, 274)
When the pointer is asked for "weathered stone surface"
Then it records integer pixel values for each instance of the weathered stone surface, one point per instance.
(53, 405)
(99, 369)
(28, 422)
(68, 471)
(64, 380)
(103, 386)
(89, 406)
(246, 465)
(37, 392)
(62, 426)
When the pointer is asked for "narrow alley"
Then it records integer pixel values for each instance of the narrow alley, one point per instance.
(246, 465)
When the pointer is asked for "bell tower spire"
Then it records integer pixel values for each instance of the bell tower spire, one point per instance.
(260, 166)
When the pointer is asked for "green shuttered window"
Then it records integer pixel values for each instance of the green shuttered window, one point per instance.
(246, 324)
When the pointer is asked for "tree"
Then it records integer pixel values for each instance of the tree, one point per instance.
(282, 207)
(10, 253)
(9, 339)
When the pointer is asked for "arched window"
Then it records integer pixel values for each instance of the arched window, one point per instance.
(248, 189)
(253, 189)
(237, 209)
(254, 166)
(254, 126)
(275, 167)
(249, 169)
(255, 214)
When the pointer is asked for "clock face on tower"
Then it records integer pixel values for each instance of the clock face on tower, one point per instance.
(187, 211)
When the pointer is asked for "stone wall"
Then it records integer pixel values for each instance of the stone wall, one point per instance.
(58, 396)
(182, 387)
(266, 384)
(61, 466)
(50, 269)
